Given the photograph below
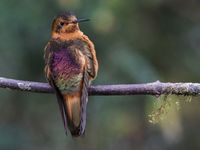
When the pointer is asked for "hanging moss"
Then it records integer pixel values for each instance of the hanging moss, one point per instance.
(164, 104)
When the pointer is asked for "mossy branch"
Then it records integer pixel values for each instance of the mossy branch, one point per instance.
(155, 88)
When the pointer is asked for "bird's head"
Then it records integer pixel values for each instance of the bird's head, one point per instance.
(66, 22)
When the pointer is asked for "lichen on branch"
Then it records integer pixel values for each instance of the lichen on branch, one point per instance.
(155, 88)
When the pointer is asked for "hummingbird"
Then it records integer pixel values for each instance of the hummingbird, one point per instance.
(70, 66)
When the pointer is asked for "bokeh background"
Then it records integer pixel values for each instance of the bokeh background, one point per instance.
(137, 41)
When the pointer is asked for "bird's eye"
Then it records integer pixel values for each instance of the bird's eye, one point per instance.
(62, 23)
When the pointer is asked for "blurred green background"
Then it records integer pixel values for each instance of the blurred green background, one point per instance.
(137, 41)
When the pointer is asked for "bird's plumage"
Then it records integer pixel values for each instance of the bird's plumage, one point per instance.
(70, 66)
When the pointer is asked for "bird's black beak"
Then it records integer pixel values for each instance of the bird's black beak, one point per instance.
(82, 20)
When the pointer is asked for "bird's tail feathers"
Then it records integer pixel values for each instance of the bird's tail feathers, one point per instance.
(76, 104)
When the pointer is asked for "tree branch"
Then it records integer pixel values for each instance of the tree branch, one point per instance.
(155, 88)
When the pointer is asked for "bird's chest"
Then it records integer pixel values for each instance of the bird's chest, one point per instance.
(67, 68)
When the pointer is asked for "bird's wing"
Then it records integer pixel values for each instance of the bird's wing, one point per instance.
(84, 100)
(61, 104)
(48, 73)
(47, 58)
(89, 52)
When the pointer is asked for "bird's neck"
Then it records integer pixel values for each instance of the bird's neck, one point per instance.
(67, 36)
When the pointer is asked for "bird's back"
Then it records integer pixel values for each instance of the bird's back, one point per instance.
(67, 62)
